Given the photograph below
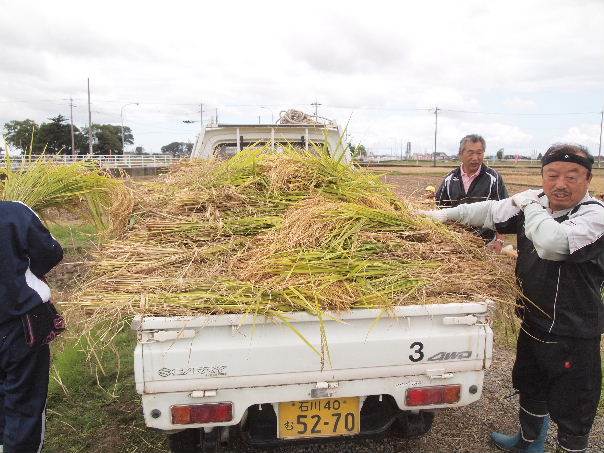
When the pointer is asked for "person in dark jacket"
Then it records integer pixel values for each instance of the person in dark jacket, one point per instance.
(472, 181)
(27, 253)
(560, 269)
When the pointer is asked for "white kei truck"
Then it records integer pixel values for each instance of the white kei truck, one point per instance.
(228, 383)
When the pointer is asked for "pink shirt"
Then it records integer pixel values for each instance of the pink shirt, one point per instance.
(467, 179)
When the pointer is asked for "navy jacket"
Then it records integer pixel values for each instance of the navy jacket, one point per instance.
(27, 252)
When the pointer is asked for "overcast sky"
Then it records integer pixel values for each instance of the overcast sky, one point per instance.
(524, 74)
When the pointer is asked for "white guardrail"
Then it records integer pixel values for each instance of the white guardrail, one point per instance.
(103, 161)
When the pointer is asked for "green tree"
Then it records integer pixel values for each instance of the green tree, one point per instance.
(178, 149)
(18, 134)
(500, 154)
(107, 138)
(54, 137)
(540, 156)
(357, 151)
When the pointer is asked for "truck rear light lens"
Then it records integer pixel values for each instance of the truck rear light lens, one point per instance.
(451, 394)
(426, 396)
(202, 413)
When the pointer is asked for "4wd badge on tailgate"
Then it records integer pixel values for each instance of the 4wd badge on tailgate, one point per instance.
(461, 355)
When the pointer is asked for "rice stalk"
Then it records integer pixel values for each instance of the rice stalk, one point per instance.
(46, 186)
(266, 234)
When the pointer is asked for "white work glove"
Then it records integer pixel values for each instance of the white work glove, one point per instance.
(440, 215)
(523, 199)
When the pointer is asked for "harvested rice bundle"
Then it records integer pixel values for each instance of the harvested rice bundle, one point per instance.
(46, 186)
(321, 221)
(268, 233)
(274, 181)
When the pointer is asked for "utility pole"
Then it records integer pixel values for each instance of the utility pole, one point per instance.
(435, 133)
(200, 118)
(89, 121)
(73, 151)
(600, 146)
(216, 116)
(122, 119)
(401, 149)
(316, 104)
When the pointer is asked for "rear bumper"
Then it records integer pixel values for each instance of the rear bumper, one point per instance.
(157, 413)
(380, 417)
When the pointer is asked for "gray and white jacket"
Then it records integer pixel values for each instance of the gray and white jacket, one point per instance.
(560, 266)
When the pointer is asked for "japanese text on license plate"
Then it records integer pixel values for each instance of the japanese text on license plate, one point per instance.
(319, 418)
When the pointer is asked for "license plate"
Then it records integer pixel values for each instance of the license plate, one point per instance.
(319, 418)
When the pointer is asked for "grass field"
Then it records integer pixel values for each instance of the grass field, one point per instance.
(93, 409)
(521, 176)
(73, 235)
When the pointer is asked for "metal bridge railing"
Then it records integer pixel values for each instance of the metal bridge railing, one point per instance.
(103, 161)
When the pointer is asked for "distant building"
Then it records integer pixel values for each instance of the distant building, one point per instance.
(516, 157)
(430, 156)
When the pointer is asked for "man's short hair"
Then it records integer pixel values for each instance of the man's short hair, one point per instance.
(559, 149)
(472, 138)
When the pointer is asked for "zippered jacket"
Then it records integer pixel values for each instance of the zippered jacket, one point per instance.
(27, 253)
(488, 185)
(560, 266)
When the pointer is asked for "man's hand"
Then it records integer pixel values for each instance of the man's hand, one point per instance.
(497, 243)
(440, 215)
(523, 199)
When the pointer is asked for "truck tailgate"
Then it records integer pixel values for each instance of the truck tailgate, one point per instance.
(177, 354)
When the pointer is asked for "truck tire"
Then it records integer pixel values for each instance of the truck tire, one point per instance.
(410, 425)
(187, 441)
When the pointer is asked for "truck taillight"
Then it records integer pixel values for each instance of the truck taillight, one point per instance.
(426, 396)
(202, 413)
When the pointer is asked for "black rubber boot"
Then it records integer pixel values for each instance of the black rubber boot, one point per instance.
(571, 443)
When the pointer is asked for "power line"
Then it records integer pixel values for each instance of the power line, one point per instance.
(520, 113)
(332, 106)
(24, 101)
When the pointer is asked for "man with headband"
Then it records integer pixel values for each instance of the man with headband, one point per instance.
(560, 269)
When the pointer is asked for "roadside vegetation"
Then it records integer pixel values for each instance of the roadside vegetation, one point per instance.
(93, 406)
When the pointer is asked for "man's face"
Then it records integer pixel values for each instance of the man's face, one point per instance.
(471, 157)
(565, 184)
